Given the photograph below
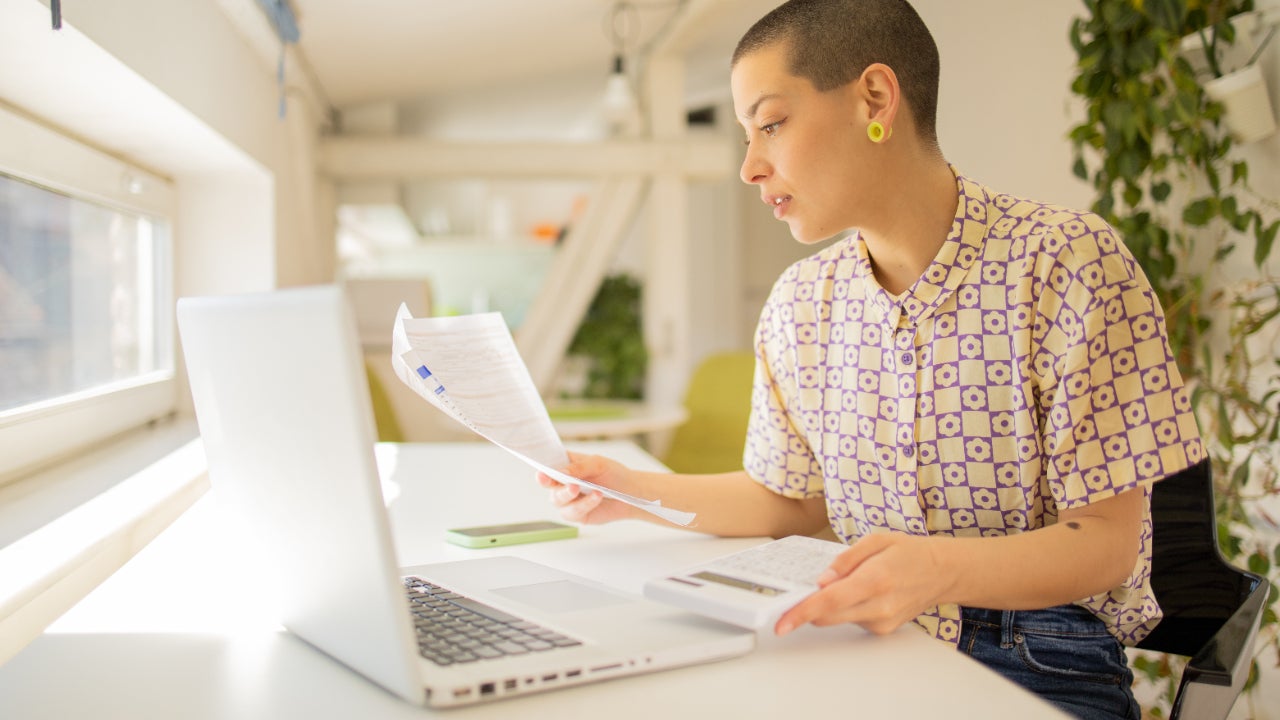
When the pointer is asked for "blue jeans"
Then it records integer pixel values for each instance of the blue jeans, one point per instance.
(1063, 654)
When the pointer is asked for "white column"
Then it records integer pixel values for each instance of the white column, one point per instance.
(666, 287)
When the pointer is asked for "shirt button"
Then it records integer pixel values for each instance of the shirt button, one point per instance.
(909, 450)
(907, 358)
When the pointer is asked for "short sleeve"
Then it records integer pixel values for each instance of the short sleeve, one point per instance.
(776, 453)
(1116, 412)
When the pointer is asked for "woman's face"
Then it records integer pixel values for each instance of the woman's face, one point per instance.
(807, 150)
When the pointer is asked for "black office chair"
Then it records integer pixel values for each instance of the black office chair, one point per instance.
(1212, 610)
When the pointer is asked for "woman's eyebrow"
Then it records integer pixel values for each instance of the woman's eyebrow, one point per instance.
(751, 111)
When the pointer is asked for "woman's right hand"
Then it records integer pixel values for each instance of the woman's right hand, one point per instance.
(583, 505)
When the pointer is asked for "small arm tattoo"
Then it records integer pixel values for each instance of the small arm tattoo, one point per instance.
(1073, 525)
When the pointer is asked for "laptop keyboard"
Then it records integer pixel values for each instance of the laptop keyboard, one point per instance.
(455, 629)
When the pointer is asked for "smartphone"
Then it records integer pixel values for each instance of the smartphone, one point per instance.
(512, 534)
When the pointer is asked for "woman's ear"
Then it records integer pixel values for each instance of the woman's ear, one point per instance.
(878, 88)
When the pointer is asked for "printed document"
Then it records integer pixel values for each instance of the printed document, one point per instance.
(469, 368)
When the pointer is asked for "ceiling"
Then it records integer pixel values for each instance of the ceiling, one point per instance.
(399, 50)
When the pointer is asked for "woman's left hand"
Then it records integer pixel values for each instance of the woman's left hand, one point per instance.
(881, 582)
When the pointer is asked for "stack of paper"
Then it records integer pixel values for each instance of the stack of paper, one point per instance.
(468, 367)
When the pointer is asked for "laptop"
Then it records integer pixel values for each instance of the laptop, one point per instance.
(751, 588)
(282, 402)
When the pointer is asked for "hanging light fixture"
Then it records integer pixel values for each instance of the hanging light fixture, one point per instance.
(619, 100)
(619, 107)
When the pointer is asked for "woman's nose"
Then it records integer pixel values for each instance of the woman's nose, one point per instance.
(753, 170)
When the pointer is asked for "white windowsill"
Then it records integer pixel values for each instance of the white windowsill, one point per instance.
(66, 529)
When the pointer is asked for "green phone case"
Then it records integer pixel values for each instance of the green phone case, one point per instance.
(512, 534)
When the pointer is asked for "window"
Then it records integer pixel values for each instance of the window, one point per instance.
(86, 338)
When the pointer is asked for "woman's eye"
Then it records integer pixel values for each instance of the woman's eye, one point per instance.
(767, 130)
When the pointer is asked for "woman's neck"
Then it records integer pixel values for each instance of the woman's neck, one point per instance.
(918, 212)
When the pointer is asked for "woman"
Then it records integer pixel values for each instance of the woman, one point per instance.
(973, 390)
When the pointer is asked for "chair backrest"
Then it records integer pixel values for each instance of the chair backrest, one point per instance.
(718, 402)
(1212, 609)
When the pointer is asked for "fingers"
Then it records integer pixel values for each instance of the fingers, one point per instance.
(577, 467)
(849, 560)
(847, 595)
(579, 508)
(839, 602)
(577, 504)
(562, 495)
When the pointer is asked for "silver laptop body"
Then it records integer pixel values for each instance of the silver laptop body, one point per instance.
(283, 408)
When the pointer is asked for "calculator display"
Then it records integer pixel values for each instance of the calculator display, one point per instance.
(738, 583)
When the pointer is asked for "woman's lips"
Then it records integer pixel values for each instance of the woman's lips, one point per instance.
(780, 204)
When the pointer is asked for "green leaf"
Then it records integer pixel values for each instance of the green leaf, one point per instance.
(1229, 544)
(1244, 220)
(1265, 240)
(1080, 134)
(1215, 182)
(1164, 14)
(1253, 676)
(1105, 205)
(1096, 83)
(1142, 56)
(1079, 168)
(1160, 191)
(1199, 213)
(1132, 195)
(1226, 32)
(1259, 563)
(1240, 477)
(1239, 172)
(1129, 163)
(1074, 34)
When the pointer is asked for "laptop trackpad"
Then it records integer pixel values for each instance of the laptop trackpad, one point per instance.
(560, 596)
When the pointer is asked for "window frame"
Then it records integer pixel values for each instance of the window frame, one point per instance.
(39, 434)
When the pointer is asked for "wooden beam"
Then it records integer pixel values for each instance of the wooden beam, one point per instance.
(405, 158)
(697, 18)
(580, 265)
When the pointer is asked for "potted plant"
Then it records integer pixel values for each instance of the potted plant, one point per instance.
(1167, 175)
(610, 342)
(1224, 55)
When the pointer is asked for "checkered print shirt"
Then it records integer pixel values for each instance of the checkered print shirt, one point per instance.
(1026, 371)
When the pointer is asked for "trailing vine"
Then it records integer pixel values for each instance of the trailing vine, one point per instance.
(1168, 176)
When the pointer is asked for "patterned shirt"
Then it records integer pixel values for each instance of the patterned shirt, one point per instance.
(1026, 371)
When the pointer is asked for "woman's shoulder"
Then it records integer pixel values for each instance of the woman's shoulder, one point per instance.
(1053, 236)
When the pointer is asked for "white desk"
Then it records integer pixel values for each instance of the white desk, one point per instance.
(182, 631)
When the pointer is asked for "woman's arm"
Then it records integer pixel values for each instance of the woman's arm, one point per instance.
(728, 504)
(887, 579)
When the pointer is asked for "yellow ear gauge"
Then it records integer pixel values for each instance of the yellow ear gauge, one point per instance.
(877, 132)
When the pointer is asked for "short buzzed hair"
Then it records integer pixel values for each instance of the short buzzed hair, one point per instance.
(833, 41)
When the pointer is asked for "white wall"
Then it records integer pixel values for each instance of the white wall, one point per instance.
(1004, 105)
(175, 87)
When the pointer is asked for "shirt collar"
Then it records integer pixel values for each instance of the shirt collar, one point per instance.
(948, 269)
